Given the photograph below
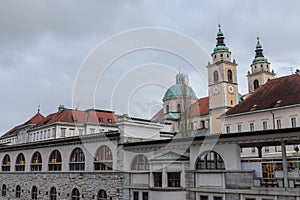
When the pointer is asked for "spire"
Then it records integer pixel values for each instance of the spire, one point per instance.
(220, 40)
(259, 49)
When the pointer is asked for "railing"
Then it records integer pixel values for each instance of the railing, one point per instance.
(268, 182)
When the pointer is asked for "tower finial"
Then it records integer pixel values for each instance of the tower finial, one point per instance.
(257, 36)
(219, 23)
(39, 108)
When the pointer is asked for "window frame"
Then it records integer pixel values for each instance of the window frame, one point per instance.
(36, 163)
(77, 160)
(103, 159)
(140, 162)
(174, 179)
(6, 163)
(210, 160)
(20, 163)
(55, 161)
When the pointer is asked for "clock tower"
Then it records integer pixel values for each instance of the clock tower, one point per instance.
(222, 83)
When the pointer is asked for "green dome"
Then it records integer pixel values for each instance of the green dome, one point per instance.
(177, 91)
(220, 48)
(259, 59)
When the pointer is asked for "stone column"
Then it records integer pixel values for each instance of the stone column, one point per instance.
(284, 165)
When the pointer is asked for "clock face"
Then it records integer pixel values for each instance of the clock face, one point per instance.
(230, 89)
(216, 89)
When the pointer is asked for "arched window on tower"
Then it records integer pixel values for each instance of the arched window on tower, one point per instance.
(255, 84)
(216, 76)
(167, 108)
(229, 76)
(178, 107)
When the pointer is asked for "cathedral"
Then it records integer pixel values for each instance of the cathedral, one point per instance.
(222, 146)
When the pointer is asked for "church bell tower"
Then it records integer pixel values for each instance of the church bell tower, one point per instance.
(222, 83)
(260, 70)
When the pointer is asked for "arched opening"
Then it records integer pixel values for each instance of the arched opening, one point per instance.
(55, 161)
(77, 160)
(167, 108)
(255, 84)
(53, 193)
(140, 162)
(103, 158)
(20, 162)
(210, 160)
(18, 191)
(216, 76)
(75, 194)
(6, 163)
(3, 193)
(202, 122)
(178, 107)
(36, 162)
(229, 76)
(101, 195)
(34, 193)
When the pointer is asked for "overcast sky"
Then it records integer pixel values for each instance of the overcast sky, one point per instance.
(43, 44)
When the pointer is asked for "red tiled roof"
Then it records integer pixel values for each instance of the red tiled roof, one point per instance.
(33, 120)
(76, 116)
(201, 107)
(279, 92)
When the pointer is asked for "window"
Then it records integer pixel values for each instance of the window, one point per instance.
(293, 122)
(229, 76)
(101, 195)
(53, 132)
(253, 149)
(77, 160)
(36, 162)
(103, 159)
(203, 197)
(227, 129)
(217, 198)
(210, 160)
(216, 76)
(157, 177)
(6, 163)
(18, 191)
(20, 163)
(140, 162)
(92, 130)
(3, 193)
(100, 120)
(239, 128)
(173, 179)
(135, 195)
(255, 84)
(267, 149)
(278, 123)
(48, 135)
(34, 193)
(53, 193)
(167, 109)
(145, 196)
(75, 194)
(55, 161)
(265, 125)
(202, 124)
(178, 107)
(109, 120)
(80, 131)
(63, 132)
(251, 126)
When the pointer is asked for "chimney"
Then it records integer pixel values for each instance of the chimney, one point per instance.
(61, 108)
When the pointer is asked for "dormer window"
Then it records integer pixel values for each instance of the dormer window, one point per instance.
(109, 120)
(100, 120)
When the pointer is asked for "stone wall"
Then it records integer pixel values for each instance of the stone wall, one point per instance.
(239, 179)
(87, 183)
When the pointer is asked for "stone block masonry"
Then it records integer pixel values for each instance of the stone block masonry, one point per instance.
(87, 183)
